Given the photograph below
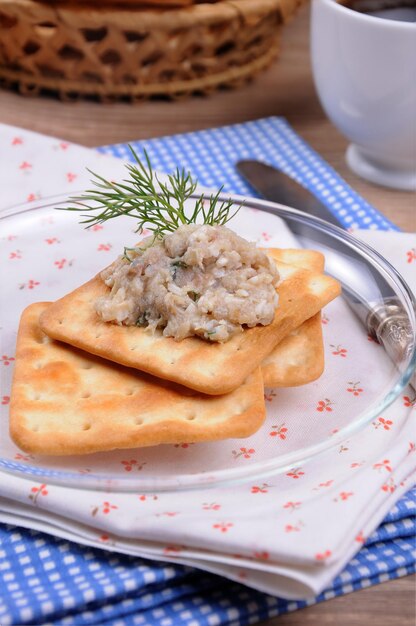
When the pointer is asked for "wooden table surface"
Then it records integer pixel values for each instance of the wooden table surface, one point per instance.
(285, 89)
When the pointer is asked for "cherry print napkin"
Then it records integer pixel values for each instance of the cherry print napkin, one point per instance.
(287, 535)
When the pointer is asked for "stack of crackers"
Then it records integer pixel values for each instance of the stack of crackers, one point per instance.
(82, 385)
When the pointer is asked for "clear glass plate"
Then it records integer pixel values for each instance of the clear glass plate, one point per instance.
(45, 253)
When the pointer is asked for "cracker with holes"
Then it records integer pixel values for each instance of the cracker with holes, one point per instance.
(65, 401)
(299, 358)
(211, 368)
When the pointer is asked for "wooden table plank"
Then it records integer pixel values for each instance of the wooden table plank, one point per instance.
(387, 604)
(285, 89)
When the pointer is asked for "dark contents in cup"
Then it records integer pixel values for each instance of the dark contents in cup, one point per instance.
(399, 10)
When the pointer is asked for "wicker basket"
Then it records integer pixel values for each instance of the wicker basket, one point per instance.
(133, 51)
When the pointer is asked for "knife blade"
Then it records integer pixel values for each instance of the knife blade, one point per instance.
(378, 307)
(275, 185)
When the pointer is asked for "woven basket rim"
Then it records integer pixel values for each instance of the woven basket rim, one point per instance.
(149, 68)
(202, 8)
(185, 16)
(147, 90)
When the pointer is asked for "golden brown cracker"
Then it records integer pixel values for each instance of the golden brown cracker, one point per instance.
(211, 368)
(299, 358)
(65, 401)
(299, 257)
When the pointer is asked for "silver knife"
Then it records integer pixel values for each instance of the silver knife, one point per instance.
(381, 313)
(275, 185)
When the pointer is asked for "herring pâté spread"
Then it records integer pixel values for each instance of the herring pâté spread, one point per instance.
(198, 280)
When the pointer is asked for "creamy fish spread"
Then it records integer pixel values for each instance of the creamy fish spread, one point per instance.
(199, 280)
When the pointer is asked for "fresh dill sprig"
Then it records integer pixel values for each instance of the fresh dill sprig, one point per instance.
(127, 252)
(157, 206)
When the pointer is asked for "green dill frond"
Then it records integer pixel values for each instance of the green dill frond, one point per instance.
(127, 252)
(157, 206)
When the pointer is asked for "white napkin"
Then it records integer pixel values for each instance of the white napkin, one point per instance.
(289, 535)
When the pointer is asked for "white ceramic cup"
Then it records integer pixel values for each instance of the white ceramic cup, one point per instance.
(365, 74)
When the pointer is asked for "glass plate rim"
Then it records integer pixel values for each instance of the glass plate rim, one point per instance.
(228, 477)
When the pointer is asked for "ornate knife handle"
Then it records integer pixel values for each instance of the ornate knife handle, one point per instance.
(388, 323)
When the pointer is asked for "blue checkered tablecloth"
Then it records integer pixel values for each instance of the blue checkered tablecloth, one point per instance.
(211, 156)
(47, 580)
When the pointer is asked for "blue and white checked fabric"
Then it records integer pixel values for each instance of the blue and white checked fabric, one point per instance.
(47, 580)
(211, 156)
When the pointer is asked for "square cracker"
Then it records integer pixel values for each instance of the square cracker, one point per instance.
(65, 401)
(299, 358)
(212, 368)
